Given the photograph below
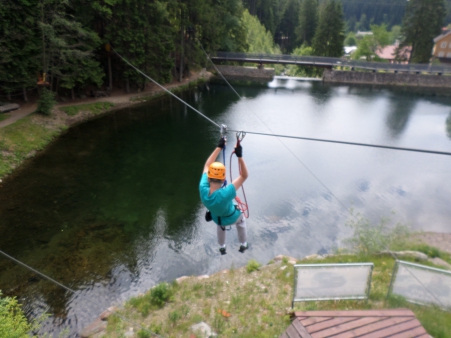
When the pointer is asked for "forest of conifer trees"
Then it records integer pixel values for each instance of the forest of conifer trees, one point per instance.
(68, 41)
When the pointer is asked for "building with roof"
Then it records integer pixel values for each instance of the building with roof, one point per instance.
(389, 53)
(442, 47)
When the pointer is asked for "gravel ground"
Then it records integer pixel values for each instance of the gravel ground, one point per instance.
(436, 239)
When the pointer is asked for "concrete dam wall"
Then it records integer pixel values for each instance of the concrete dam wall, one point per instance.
(388, 79)
(246, 72)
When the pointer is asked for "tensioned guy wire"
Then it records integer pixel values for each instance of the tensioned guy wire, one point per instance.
(72, 291)
(168, 91)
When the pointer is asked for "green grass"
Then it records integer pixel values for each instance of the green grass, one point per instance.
(174, 90)
(253, 265)
(243, 304)
(4, 117)
(432, 252)
(95, 108)
(19, 139)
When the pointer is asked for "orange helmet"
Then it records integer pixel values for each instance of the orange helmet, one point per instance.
(217, 171)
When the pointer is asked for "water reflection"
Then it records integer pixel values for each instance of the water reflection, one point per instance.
(398, 115)
(112, 208)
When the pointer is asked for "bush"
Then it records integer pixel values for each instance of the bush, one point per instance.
(161, 294)
(13, 323)
(46, 102)
(253, 265)
(369, 239)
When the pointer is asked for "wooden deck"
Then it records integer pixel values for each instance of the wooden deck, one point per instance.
(397, 323)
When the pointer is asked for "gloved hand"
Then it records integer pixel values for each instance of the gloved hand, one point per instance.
(221, 143)
(238, 150)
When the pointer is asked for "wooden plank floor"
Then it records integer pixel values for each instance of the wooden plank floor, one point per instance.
(397, 323)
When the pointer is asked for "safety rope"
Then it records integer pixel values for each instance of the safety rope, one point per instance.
(242, 206)
(73, 292)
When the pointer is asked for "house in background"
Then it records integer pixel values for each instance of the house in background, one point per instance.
(349, 50)
(389, 53)
(442, 47)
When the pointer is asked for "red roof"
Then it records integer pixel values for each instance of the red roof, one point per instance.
(399, 323)
(388, 52)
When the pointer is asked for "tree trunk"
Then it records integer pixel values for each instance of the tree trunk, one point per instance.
(9, 96)
(182, 39)
(57, 88)
(25, 98)
(110, 73)
(127, 86)
(72, 93)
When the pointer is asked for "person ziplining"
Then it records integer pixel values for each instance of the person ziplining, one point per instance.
(219, 198)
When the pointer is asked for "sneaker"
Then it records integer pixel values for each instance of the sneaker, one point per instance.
(222, 251)
(243, 247)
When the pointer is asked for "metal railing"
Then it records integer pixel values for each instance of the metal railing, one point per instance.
(321, 61)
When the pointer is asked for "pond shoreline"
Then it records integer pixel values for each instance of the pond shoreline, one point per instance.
(59, 122)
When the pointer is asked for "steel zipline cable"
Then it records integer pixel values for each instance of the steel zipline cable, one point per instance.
(436, 152)
(165, 89)
(73, 292)
(279, 135)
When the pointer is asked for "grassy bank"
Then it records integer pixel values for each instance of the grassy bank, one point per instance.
(255, 301)
(24, 138)
(31, 134)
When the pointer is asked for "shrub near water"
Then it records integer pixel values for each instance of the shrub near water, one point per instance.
(46, 102)
(369, 239)
(253, 265)
(13, 323)
(155, 299)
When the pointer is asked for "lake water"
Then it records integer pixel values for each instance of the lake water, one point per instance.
(112, 207)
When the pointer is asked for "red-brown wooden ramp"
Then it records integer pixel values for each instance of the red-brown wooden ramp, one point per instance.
(397, 323)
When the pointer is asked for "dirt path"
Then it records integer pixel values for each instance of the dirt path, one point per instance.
(118, 97)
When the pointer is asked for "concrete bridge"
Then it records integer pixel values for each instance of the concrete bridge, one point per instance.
(330, 63)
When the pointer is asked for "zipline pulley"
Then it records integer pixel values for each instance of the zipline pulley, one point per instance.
(223, 130)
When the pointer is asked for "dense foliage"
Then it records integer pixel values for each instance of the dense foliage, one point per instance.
(258, 38)
(329, 36)
(68, 42)
(417, 33)
(71, 44)
(13, 323)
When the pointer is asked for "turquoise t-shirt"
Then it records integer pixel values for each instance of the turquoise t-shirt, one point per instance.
(220, 203)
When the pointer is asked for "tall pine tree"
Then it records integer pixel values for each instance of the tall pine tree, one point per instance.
(19, 46)
(285, 34)
(422, 23)
(308, 19)
(329, 36)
